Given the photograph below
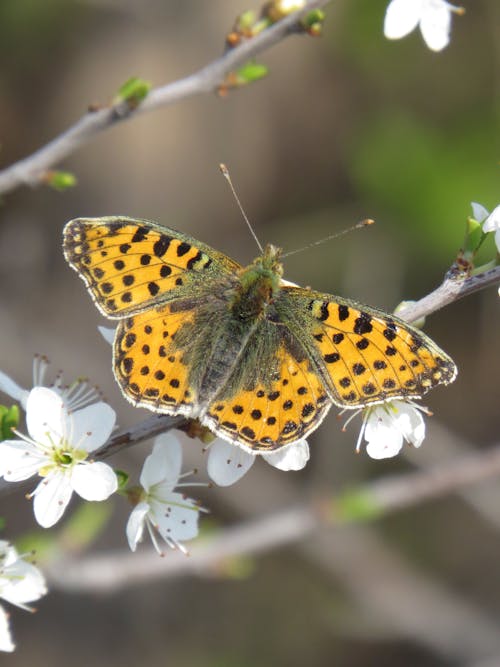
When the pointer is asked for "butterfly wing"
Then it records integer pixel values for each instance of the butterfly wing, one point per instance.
(272, 397)
(362, 354)
(130, 265)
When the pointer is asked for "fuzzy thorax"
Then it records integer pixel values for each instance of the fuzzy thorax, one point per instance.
(259, 283)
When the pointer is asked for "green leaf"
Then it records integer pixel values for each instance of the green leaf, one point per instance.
(123, 478)
(313, 18)
(251, 72)
(60, 180)
(9, 419)
(133, 91)
(474, 236)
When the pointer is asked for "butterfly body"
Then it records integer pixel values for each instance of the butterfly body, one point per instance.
(258, 360)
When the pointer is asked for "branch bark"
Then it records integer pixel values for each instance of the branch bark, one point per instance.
(30, 170)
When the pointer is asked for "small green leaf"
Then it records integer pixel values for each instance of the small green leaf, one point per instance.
(355, 505)
(9, 419)
(123, 478)
(245, 21)
(60, 180)
(474, 236)
(250, 72)
(133, 91)
(316, 16)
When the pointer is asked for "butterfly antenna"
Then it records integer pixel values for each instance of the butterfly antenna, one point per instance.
(359, 225)
(225, 173)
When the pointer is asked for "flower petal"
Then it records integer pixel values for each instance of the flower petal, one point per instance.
(176, 518)
(94, 481)
(46, 416)
(90, 427)
(293, 457)
(6, 643)
(227, 463)
(401, 17)
(435, 24)
(479, 213)
(135, 524)
(384, 440)
(24, 583)
(20, 460)
(164, 463)
(12, 389)
(52, 496)
(410, 423)
(108, 333)
(492, 222)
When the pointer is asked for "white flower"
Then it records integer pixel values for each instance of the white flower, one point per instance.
(6, 643)
(172, 515)
(432, 16)
(491, 221)
(227, 462)
(386, 426)
(57, 450)
(75, 396)
(20, 583)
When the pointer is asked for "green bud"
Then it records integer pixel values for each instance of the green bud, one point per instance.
(474, 236)
(313, 18)
(250, 72)
(60, 180)
(122, 478)
(9, 419)
(245, 21)
(133, 91)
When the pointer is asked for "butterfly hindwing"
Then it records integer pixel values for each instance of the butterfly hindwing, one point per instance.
(282, 404)
(130, 265)
(366, 356)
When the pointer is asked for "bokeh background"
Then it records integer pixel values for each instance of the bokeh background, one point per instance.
(346, 126)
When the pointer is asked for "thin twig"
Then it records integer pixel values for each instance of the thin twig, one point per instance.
(451, 289)
(31, 170)
(116, 570)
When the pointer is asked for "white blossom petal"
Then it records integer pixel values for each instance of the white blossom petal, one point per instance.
(383, 439)
(94, 481)
(12, 389)
(164, 463)
(19, 460)
(52, 496)
(25, 583)
(135, 524)
(108, 333)
(6, 643)
(401, 17)
(227, 463)
(90, 427)
(410, 422)
(435, 24)
(293, 457)
(492, 222)
(46, 416)
(479, 213)
(176, 517)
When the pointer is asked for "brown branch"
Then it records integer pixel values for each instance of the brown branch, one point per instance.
(116, 570)
(31, 170)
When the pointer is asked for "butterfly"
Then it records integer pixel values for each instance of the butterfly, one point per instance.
(256, 359)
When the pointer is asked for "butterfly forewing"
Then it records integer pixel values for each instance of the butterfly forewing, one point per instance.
(130, 265)
(366, 356)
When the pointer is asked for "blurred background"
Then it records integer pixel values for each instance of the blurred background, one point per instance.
(346, 126)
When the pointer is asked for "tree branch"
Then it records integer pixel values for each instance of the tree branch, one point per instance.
(31, 170)
(116, 570)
